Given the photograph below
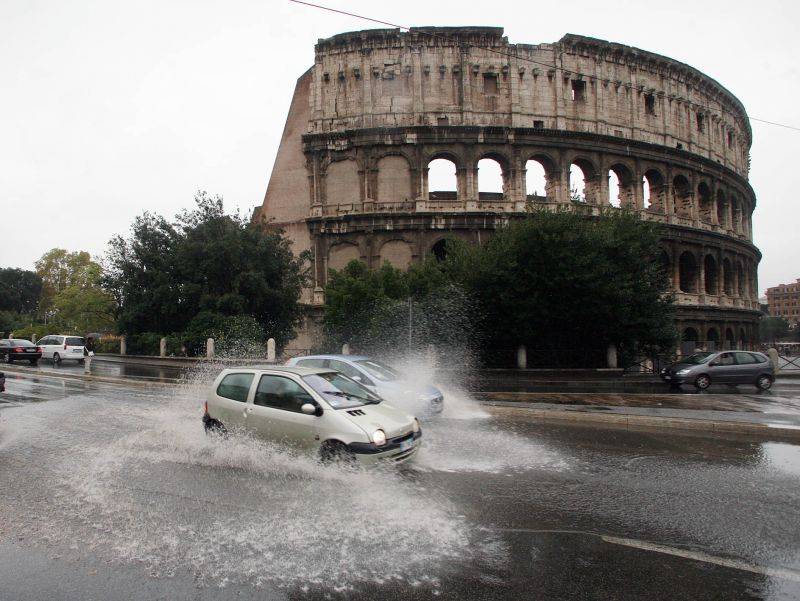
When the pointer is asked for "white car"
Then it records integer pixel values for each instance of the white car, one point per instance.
(316, 410)
(59, 347)
(420, 398)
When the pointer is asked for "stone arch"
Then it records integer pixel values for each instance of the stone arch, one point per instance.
(653, 190)
(689, 340)
(739, 279)
(730, 339)
(343, 182)
(687, 267)
(712, 338)
(727, 276)
(736, 214)
(583, 181)
(743, 338)
(665, 263)
(439, 249)
(394, 179)
(397, 252)
(541, 177)
(622, 194)
(491, 176)
(705, 204)
(722, 208)
(682, 196)
(341, 254)
(441, 177)
(710, 270)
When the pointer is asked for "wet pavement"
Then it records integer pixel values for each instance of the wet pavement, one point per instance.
(108, 492)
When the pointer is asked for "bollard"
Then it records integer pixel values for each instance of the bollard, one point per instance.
(271, 350)
(522, 357)
(210, 348)
(162, 348)
(774, 359)
(123, 346)
(611, 356)
(345, 349)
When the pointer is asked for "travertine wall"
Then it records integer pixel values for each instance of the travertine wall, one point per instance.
(473, 76)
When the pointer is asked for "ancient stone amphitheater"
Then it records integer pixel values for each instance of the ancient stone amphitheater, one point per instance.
(381, 109)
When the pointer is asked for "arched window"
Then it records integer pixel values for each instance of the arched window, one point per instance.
(342, 183)
(439, 250)
(490, 179)
(689, 340)
(340, 255)
(664, 262)
(620, 186)
(582, 181)
(742, 339)
(653, 190)
(710, 269)
(727, 275)
(396, 252)
(736, 214)
(712, 339)
(705, 206)
(442, 180)
(739, 279)
(722, 209)
(613, 189)
(689, 335)
(682, 196)
(687, 265)
(535, 180)
(730, 339)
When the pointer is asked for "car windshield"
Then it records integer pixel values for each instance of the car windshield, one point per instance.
(75, 341)
(696, 359)
(340, 391)
(379, 370)
(22, 342)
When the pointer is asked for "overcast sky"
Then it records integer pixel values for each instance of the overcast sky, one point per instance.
(110, 108)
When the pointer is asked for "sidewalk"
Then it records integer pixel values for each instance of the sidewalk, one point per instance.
(773, 414)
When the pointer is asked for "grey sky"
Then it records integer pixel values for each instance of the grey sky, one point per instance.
(109, 108)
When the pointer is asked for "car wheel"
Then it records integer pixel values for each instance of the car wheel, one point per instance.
(702, 382)
(34, 362)
(334, 451)
(212, 426)
(56, 359)
(764, 382)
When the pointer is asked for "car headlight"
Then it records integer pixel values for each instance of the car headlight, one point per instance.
(379, 437)
(682, 372)
(415, 426)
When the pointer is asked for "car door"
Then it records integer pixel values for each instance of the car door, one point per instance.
(231, 398)
(274, 413)
(723, 369)
(43, 344)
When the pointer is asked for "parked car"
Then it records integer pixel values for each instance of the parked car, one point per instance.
(15, 349)
(316, 410)
(385, 381)
(60, 347)
(722, 367)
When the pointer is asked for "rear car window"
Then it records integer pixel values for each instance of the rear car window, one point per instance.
(22, 342)
(75, 341)
(235, 387)
(745, 358)
(759, 358)
(312, 363)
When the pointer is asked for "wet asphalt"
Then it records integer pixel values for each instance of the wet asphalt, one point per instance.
(108, 492)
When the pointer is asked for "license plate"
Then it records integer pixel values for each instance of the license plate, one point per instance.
(77, 350)
(667, 377)
(406, 444)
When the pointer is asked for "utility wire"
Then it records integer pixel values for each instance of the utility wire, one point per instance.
(500, 52)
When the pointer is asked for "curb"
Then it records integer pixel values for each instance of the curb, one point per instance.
(658, 423)
(88, 378)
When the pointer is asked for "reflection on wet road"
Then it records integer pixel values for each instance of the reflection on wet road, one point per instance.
(116, 493)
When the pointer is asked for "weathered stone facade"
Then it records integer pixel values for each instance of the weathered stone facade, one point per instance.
(378, 106)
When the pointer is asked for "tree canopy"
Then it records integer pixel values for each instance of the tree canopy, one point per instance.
(19, 290)
(206, 263)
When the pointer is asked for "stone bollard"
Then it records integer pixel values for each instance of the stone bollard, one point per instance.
(774, 359)
(271, 350)
(162, 348)
(611, 356)
(210, 348)
(345, 349)
(123, 346)
(522, 357)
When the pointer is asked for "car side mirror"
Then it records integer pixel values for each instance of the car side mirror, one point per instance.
(311, 409)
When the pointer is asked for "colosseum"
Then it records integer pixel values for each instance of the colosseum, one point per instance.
(381, 109)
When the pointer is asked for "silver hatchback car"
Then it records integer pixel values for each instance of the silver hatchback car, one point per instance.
(721, 367)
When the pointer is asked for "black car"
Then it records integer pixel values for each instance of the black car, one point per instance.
(2, 382)
(14, 349)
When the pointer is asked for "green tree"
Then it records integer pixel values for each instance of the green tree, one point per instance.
(60, 269)
(205, 262)
(771, 329)
(84, 309)
(19, 290)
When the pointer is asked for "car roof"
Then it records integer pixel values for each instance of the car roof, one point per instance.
(340, 357)
(297, 371)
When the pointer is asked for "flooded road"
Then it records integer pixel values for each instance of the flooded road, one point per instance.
(115, 492)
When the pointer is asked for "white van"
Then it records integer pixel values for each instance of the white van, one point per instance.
(60, 347)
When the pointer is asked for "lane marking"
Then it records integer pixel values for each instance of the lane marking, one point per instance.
(736, 564)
